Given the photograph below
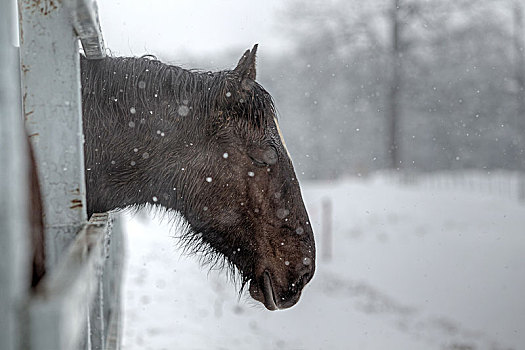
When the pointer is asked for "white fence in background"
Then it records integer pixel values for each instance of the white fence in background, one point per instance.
(494, 184)
(497, 183)
(77, 303)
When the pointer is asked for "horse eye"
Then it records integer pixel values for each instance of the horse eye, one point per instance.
(263, 156)
(258, 162)
(270, 156)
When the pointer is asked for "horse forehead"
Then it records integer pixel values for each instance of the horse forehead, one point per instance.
(281, 137)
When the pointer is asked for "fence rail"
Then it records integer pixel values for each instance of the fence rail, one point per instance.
(496, 183)
(83, 14)
(61, 304)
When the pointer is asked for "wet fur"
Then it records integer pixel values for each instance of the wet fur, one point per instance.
(169, 109)
(203, 91)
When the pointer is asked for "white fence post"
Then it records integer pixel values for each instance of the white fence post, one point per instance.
(77, 304)
(521, 188)
(14, 200)
(51, 95)
(327, 237)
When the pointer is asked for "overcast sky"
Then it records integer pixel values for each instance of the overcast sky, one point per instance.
(169, 27)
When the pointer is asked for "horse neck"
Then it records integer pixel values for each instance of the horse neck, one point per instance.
(130, 136)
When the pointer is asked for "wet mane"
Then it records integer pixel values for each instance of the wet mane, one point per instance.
(128, 80)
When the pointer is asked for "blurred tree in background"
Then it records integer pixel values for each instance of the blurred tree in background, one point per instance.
(412, 84)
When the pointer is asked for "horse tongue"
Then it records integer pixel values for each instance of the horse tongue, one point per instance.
(269, 299)
(263, 291)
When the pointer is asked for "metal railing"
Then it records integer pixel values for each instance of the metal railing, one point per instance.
(77, 303)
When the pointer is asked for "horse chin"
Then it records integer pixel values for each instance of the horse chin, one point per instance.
(264, 293)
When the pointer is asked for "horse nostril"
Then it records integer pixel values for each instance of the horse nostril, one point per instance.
(299, 283)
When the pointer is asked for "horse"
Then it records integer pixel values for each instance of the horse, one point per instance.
(206, 145)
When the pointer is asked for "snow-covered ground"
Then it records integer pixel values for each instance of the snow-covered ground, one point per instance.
(413, 267)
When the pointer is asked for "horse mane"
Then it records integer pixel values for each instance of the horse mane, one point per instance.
(134, 81)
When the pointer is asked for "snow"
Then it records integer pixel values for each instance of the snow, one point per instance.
(413, 267)
(183, 111)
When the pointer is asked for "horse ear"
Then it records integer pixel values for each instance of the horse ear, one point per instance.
(246, 66)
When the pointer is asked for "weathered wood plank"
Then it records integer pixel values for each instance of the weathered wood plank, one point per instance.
(59, 310)
(84, 15)
(77, 305)
(14, 177)
(50, 66)
(112, 286)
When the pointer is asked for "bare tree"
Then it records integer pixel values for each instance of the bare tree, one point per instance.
(520, 68)
(395, 85)
(405, 83)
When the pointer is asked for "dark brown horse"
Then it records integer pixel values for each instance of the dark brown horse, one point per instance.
(206, 145)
